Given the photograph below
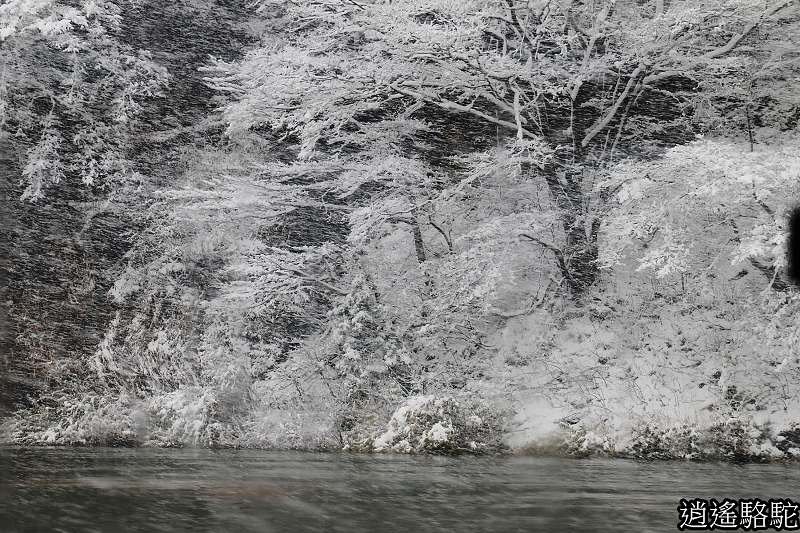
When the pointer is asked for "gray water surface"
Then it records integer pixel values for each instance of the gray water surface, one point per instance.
(146, 490)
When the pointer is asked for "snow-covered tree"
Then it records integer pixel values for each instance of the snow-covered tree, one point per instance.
(703, 205)
(70, 91)
(577, 84)
(404, 189)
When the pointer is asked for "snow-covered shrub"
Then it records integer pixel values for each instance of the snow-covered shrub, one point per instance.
(188, 416)
(290, 429)
(675, 442)
(94, 420)
(732, 439)
(738, 440)
(581, 442)
(445, 425)
(788, 440)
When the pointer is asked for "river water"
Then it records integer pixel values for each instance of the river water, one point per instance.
(147, 490)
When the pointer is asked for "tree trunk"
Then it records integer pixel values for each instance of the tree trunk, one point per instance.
(563, 175)
(577, 258)
(580, 252)
(419, 245)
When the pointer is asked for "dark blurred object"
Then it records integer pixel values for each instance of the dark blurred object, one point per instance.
(793, 246)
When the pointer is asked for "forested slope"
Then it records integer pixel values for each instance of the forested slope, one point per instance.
(80, 160)
(431, 226)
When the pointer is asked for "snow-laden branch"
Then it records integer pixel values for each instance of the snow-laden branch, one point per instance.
(606, 119)
(453, 106)
(737, 38)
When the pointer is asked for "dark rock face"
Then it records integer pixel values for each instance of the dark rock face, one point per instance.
(53, 281)
(60, 255)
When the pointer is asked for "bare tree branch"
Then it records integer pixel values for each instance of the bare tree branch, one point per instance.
(535, 303)
(441, 231)
(562, 263)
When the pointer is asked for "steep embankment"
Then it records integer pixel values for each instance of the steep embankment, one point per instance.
(359, 254)
(62, 254)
